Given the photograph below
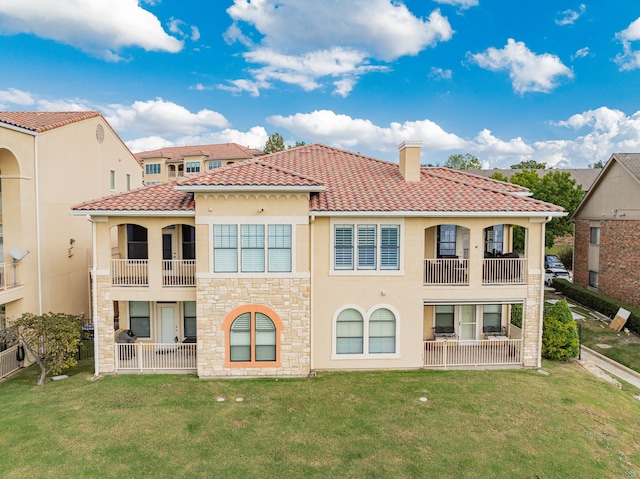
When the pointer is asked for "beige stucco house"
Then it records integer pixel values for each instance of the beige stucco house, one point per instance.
(173, 162)
(50, 161)
(316, 258)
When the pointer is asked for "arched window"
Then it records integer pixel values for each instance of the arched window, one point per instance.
(382, 331)
(252, 340)
(349, 332)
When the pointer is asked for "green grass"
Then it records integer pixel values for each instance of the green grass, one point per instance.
(475, 424)
(623, 348)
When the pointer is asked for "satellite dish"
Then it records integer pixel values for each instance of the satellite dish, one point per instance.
(16, 254)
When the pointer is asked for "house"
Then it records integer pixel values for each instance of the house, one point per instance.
(50, 161)
(173, 162)
(607, 227)
(316, 258)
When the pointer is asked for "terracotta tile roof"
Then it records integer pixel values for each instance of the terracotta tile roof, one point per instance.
(221, 151)
(40, 121)
(352, 183)
(158, 197)
(250, 173)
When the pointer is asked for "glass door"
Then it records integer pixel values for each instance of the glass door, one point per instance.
(468, 323)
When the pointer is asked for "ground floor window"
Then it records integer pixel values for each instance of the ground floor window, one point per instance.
(360, 333)
(252, 337)
(190, 328)
(593, 279)
(492, 318)
(140, 318)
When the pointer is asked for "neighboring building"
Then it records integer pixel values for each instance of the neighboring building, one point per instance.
(168, 163)
(606, 254)
(317, 258)
(50, 161)
(583, 176)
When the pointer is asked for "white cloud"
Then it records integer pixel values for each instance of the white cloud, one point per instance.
(16, 97)
(98, 28)
(569, 17)
(200, 87)
(463, 4)
(182, 30)
(305, 41)
(527, 70)
(238, 86)
(629, 59)
(149, 143)
(162, 118)
(581, 53)
(440, 74)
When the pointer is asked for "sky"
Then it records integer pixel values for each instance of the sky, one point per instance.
(553, 81)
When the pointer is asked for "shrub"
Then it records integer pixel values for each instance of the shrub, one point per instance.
(516, 315)
(559, 333)
(598, 302)
(566, 256)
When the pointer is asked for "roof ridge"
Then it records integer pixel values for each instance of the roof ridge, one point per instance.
(492, 180)
(126, 193)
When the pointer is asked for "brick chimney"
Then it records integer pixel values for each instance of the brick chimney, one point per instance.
(410, 160)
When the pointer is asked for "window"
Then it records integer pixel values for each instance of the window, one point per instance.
(349, 332)
(137, 246)
(152, 168)
(212, 165)
(193, 166)
(492, 318)
(446, 241)
(280, 248)
(188, 242)
(444, 316)
(593, 279)
(112, 180)
(225, 245)
(382, 332)
(139, 318)
(190, 327)
(253, 333)
(594, 236)
(493, 238)
(377, 247)
(256, 255)
(128, 178)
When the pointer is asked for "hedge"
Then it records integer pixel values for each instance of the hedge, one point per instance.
(598, 302)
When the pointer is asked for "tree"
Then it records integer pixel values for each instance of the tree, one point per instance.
(529, 165)
(597, 164)
(559, 333)
(463, 162)
(275, 142)
(298, 143)
(51, 340)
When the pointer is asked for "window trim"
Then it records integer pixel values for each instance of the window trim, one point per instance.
(148, 317)
(596, 230)
(112, 180)
(153, 168)
(252, 309)
(192, 167)
(593, 274)
(366, 318)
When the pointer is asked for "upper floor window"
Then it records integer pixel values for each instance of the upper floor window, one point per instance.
(212, 165)
(112, 180)
(446, 241)
(367, 247)
(493, 239)
(188, 242)
(137, 246)
(594, 235)
(193, 166)
(152, 168)
(256, 255)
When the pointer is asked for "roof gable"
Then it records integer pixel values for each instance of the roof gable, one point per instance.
(221, 151)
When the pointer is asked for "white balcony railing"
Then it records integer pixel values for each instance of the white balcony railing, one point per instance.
(155, 356)
(504, 271)
(9, 275)
(130, 272)
(8, 361)
(486, 352)
(446, 271)
(178, 272)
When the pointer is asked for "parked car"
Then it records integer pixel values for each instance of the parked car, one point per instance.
(555, 272)
(551, 261)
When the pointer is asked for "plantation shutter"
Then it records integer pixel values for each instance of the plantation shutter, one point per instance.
(265, 338)
(390, 247)
(280, 248)
(252, 248)
(366, 246)
(382, 331)
(349, 332)
(225, 247)
(343, 253)
(240, 338)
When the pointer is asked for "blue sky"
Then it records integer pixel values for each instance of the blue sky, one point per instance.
(551, 80)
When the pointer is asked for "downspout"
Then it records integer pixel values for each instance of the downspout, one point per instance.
(541, 313)
(94, 298)
(38, 248)
(312, 220)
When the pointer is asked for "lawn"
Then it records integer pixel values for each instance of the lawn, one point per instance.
(484, 424)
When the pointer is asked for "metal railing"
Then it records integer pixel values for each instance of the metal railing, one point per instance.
(446, 271)
(9, 274)
(8, 361)
(179, 272)
(504, 271)
(130, 272)
(155, 356)
(486, 352)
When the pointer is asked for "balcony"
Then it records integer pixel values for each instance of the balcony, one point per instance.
(135, 272)
(9, 275)
(455, 271)
(504, 271)
(446, 271)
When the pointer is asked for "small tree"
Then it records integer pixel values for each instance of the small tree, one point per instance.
(529, 165)
(463, 162)
(51, 339)
(274, 143)
(559, 333)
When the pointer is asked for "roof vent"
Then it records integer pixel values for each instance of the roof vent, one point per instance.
(410, 160)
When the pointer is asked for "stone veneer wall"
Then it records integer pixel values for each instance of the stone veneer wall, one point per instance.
(103, 324)
(531, 323)
(287, 297)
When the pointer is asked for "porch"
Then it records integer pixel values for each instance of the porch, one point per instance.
(155, 357)
(455, 271)
(493, 351)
